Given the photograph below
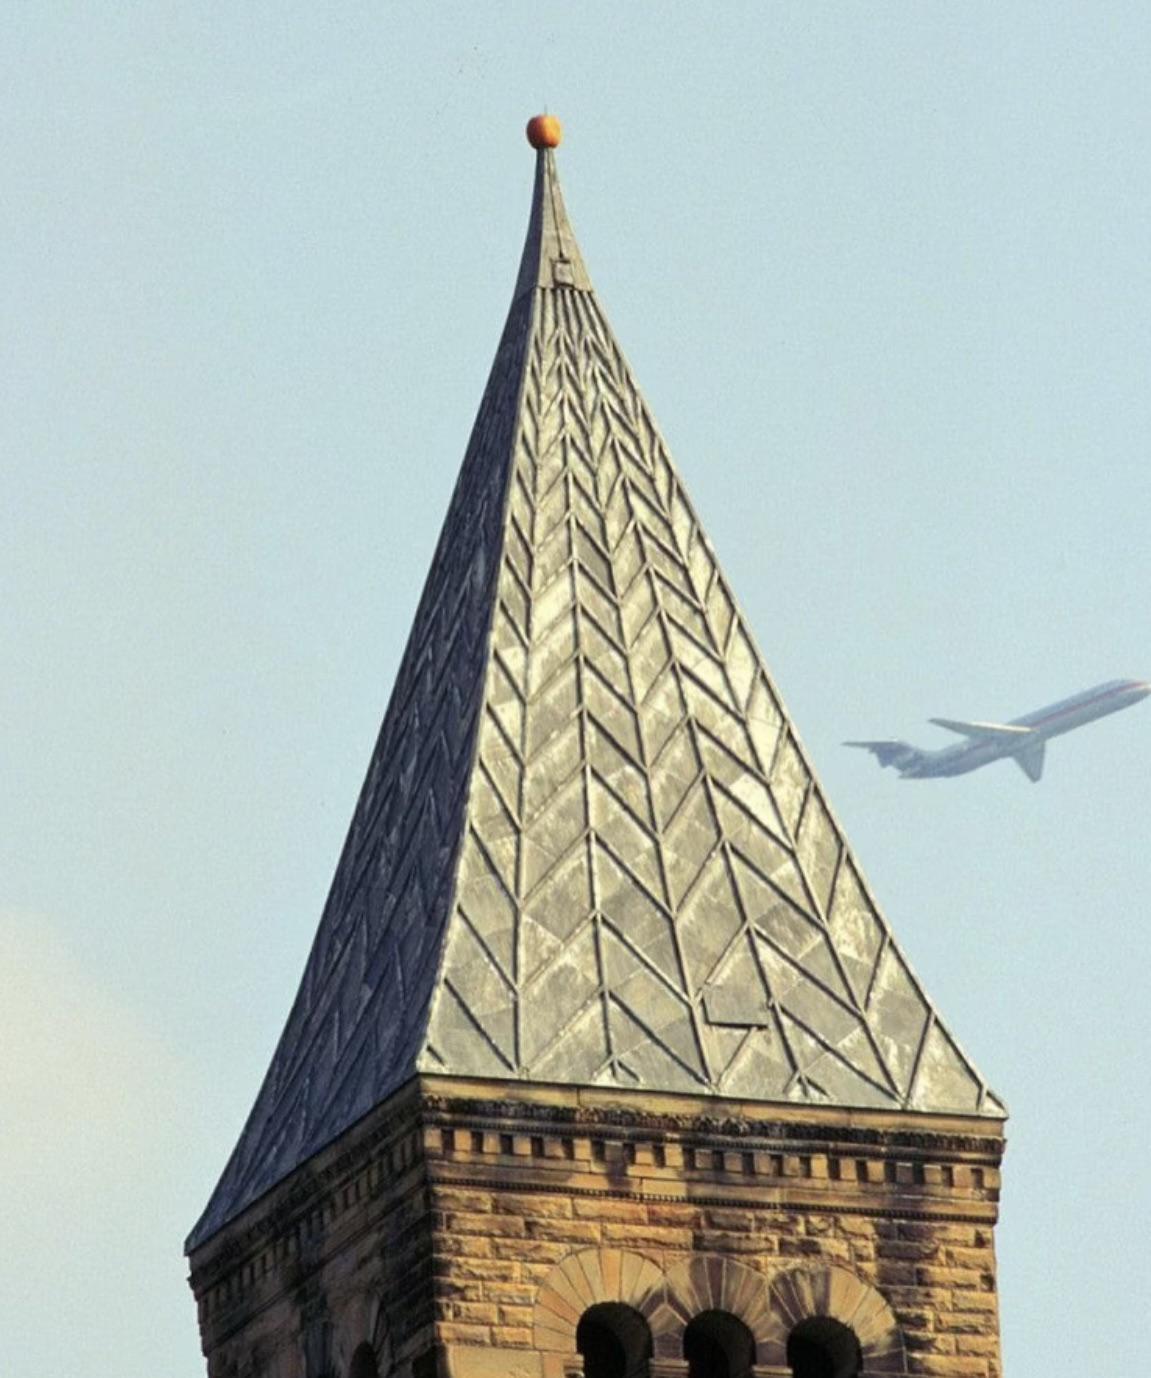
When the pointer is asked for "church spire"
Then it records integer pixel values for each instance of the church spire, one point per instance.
(590, 848)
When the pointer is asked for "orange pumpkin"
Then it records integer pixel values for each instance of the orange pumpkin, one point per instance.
(544, 131)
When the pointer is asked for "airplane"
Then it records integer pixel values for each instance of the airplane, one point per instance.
(1022, 740)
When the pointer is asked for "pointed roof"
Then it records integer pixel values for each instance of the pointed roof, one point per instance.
(590, 848)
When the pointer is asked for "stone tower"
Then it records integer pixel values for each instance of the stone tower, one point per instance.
(604, 1060)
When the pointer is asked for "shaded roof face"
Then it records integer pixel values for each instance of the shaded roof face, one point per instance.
(590, 848)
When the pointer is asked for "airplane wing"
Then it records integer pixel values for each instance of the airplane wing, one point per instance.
(982, 729)
(897, 754)
(1030, 760)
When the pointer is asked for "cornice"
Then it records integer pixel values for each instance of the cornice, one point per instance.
(630, 1121)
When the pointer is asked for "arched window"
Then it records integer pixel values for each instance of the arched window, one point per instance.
(718, 1345)
(823, 1348)
(614, 1340)
(363, 1363)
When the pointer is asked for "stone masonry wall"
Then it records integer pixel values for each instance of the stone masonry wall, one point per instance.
(464, 1234)
(495, 1249)
(910, 1215)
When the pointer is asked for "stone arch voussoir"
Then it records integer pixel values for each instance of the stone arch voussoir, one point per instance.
(359, 1318)
(803, 1293)
(585, 1279)
(709, 1282)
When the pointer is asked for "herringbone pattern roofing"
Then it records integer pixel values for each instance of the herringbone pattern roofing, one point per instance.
(590, 848)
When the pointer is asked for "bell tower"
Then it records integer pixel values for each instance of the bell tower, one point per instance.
(605, 1061)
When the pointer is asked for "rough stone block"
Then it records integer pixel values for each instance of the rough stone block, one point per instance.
(483, 1269)
(530, 1250)
(647, 1236)
(957, 1279)
(926, 1341)
(487, 1224)
(725, 1242)
(681, 1215)
(732, 1220)
(512, 1337)
(977, 1344)
(976, 1301)
(534, 1206)
(571, 1231)
(633, 1212)
(478, 1313)
(947, 1365)
(460, 1199)
(452, 1332)
(511, 1293)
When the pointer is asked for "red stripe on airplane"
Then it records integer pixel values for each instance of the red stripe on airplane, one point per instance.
(1075, 707)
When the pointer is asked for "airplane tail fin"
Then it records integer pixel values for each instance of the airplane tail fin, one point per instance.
(897, 754)
(1030, 760)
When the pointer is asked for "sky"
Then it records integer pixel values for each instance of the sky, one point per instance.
(882, 272)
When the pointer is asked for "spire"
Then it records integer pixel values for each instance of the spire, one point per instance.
(551, 256)
(590, 848)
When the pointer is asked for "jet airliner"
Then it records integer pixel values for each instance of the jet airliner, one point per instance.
(1022, 740)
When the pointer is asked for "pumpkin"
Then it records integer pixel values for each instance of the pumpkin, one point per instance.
(544, 131)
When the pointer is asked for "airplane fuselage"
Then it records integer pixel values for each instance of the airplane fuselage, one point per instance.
(1022, 739)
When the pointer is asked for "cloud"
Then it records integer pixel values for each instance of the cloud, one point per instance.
(99, 1160)
(80, 1073)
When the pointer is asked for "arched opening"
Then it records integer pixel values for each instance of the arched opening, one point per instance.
(364, 1363)
(823, 1348)
(425, 1364)
(614, 1340)
(717, 1344)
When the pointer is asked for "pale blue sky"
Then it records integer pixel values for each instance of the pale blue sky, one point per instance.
(882, 271)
